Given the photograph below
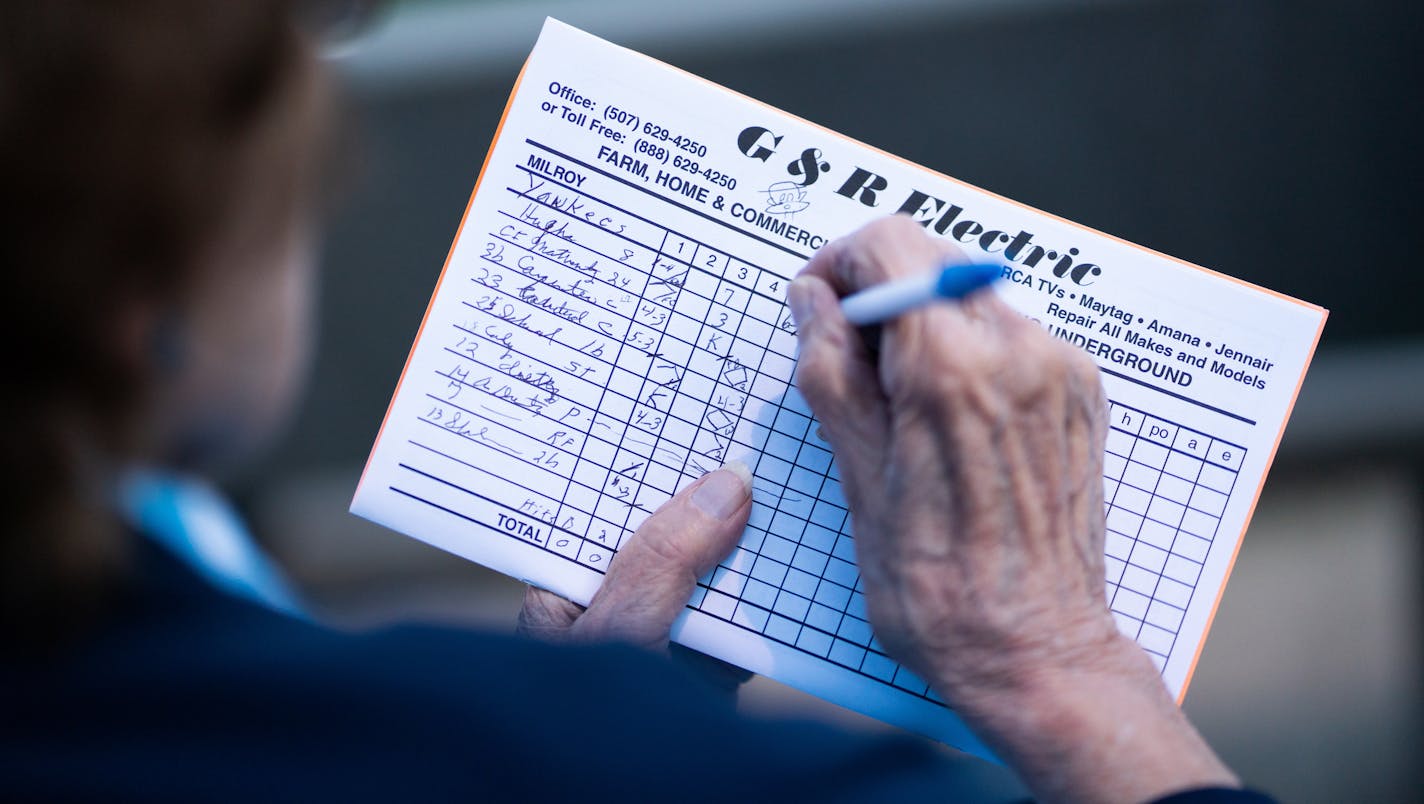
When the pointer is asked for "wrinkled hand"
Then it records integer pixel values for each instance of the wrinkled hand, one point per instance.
(970, 449)
(971, 454)
(652, 577)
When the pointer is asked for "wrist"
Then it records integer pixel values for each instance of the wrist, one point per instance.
(1016, 659)
(1099, 727)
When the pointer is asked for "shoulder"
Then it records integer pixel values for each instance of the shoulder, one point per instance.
(227, 700)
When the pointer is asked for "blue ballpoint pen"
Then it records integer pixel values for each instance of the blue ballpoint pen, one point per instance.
(883, 302)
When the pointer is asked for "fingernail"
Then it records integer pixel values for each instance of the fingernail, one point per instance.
(800, 297)
(724, 491)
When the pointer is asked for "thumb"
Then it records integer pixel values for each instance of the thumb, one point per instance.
(652, 577)
(546, 615)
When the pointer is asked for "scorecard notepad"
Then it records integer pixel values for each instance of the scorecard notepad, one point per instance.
(610, 325)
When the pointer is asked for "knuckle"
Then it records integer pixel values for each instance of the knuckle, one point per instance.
(1008, 318)
(1046, 375)
(1053, 362)
(817, 376)
(1083, 368)
(891, 229)
(1078, 367)
(892, 247)
(658, 546)
(948, 251)
(1042, 354)
(945, 378)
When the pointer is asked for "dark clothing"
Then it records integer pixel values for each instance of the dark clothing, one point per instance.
(190, 695)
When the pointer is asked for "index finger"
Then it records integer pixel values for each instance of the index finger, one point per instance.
(889, 248)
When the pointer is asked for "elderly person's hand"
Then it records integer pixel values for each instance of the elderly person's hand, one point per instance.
(970, 447)
(652, 577)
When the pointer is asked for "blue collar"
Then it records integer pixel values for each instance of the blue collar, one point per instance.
(197, 524)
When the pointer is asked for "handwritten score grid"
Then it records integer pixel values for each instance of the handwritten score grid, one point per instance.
(608, 359)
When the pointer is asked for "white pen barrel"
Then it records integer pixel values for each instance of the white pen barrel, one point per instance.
(876, 304)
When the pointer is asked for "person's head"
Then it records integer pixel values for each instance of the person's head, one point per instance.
(157, 168)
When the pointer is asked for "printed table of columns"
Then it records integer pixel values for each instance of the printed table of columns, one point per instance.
(603, 360)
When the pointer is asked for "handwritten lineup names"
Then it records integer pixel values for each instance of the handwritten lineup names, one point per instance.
(601, 361)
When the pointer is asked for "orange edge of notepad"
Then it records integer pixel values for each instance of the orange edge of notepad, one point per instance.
(1191, 669)
(1241, 537)
(498, 130)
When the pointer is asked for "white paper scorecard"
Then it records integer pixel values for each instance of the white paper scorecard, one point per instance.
(610, 325)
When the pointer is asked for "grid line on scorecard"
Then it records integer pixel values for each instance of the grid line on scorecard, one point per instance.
(686, 356)
(1165, 487)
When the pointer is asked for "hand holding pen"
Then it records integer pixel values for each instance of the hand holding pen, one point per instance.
(970, 451)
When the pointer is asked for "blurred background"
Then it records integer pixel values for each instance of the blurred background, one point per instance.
(1274, 140)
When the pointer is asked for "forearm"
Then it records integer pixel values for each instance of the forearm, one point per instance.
(1104, 732)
